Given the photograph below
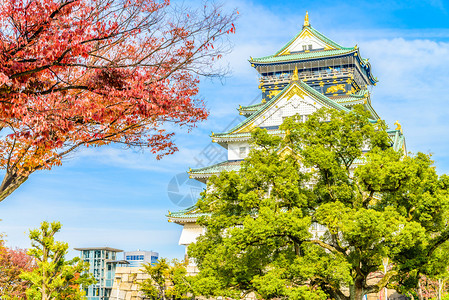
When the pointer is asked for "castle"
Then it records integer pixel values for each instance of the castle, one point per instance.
(311, 71)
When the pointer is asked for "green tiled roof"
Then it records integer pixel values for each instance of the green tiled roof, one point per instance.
(314, 93)
(340, 50)
(397, 138)
(217, 168)
(306, 55)
(353, 97)
(317, 34)
(325, 39)
(253, 107)
(245, 134)
(188, 213)
(302, 55)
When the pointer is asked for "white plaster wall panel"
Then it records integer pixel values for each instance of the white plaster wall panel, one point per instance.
(234, 150)
(287, 108)
(298, 43)
(189, 234)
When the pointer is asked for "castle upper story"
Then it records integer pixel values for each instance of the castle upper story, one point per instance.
(331, 69)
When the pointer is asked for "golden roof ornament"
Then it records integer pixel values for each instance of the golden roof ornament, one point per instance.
(306, 19)
(399, 127)
(295, 74)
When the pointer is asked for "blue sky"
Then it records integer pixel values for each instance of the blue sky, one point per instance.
(118, 198)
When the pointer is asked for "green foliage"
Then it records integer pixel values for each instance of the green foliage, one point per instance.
(371, 204)
(167, 281)
(55, 277)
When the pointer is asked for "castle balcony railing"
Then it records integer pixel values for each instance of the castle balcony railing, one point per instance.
(308, 75)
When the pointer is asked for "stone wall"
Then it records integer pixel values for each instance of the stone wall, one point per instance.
(126, 279)
(125, 282)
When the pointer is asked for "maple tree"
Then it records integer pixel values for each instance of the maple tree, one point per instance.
(12, 263)
(77, 73)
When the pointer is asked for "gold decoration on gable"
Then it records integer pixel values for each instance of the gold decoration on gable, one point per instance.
(284, 153)
(295, 90)
(305, 33)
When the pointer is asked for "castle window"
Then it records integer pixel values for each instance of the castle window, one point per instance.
(242, 151)
(310, 47)
(304, 47)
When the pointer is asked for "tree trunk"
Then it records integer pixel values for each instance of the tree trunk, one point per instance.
(10, 183)
(440, 288)
(419, 292)
(356, 290)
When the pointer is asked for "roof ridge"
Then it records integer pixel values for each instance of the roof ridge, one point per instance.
(251, 105)
(326, 39)
(306, 55)
(318, 34)
(214, 165)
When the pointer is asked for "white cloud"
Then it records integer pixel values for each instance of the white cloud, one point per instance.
(413, 89)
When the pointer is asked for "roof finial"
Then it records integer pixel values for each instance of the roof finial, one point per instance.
(295, 74)
(306, 19)
(399, 127)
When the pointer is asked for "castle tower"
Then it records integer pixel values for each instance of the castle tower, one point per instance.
(309, 72)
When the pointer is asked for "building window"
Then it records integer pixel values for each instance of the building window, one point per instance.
(310, 47)
(304, 47)
(242, 152)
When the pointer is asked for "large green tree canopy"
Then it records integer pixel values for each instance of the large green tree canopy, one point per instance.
(337, 171)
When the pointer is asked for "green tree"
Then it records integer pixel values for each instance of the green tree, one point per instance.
(167, 280)
(373, 204)
(55, 277)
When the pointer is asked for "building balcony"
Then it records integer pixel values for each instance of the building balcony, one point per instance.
(308, 75)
